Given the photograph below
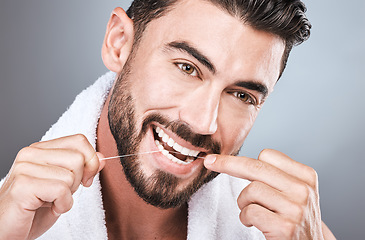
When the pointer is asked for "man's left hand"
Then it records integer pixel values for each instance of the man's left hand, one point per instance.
(282, 199)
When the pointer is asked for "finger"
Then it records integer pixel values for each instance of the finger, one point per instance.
(270, 198)
(272, 225)
(285, 163)
(101, 166)
(91, 169)
(85, 156)
(47, 172)
(27, 191)
(71, 160)
(253, 170)
(102, 162)
(79, 143)
(22, 200)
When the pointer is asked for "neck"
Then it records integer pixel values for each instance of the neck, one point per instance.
(127, 215)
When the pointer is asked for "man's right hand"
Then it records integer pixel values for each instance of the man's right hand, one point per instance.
(41, 182)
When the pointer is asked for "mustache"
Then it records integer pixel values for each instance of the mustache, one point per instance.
(184, 131)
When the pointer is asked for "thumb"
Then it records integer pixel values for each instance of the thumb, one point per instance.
(101, 166)
(102, 162)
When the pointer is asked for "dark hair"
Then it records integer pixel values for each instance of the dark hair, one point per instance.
(284, 18)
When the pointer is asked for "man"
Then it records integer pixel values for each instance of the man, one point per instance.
(191, 78)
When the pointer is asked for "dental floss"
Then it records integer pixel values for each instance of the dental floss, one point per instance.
(128, 155)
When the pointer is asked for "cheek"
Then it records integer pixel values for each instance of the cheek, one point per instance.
(159, 88)
(234, 129)
(151, 89)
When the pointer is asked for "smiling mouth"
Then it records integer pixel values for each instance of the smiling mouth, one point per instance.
(172, 150)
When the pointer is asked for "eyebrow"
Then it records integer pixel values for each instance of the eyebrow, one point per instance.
(186, 47)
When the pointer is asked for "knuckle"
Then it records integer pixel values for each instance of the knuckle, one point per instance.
(313, 175)
(265, 153)
(304, 193)
(69, 178)
(81, 139)
(79, 158)
(250, 211)
(249, 190)
(239, 201)
(253, 188)
(34, 144)
(256, 166)
(25, 153)
(62, 190)
(20, 181)
(243, 219)
(69, 205)
(18, 168)
(64, 203)
(248, 194)
(256, 186)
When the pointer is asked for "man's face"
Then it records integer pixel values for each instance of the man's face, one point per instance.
(194, 86)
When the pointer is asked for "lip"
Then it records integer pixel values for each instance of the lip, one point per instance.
(159, 161)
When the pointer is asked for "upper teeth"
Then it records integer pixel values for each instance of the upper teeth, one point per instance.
(178, 148)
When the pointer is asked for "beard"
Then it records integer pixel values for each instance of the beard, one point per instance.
(161, 188)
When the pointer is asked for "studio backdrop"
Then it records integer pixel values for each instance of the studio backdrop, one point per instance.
(50, 51)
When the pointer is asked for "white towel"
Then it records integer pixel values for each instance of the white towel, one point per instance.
(213, 211)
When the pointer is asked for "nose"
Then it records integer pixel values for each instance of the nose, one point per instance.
(200, 111)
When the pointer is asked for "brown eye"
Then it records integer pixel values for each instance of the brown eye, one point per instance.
(188, 69)
(244, 97)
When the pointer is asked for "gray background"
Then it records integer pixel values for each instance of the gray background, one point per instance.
(50, 51)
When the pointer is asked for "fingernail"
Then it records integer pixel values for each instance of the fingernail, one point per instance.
(210, 159)
(56, 213)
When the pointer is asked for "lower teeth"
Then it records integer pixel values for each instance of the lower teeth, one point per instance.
(172, 157)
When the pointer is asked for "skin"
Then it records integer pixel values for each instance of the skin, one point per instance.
(40, 185)
(282, 199)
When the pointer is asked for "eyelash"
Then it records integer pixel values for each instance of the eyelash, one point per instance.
(250, 100)
(181, 65)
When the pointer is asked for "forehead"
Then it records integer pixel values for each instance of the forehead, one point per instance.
(230, 44)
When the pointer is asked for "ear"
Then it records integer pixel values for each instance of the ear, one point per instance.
(118, 40)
